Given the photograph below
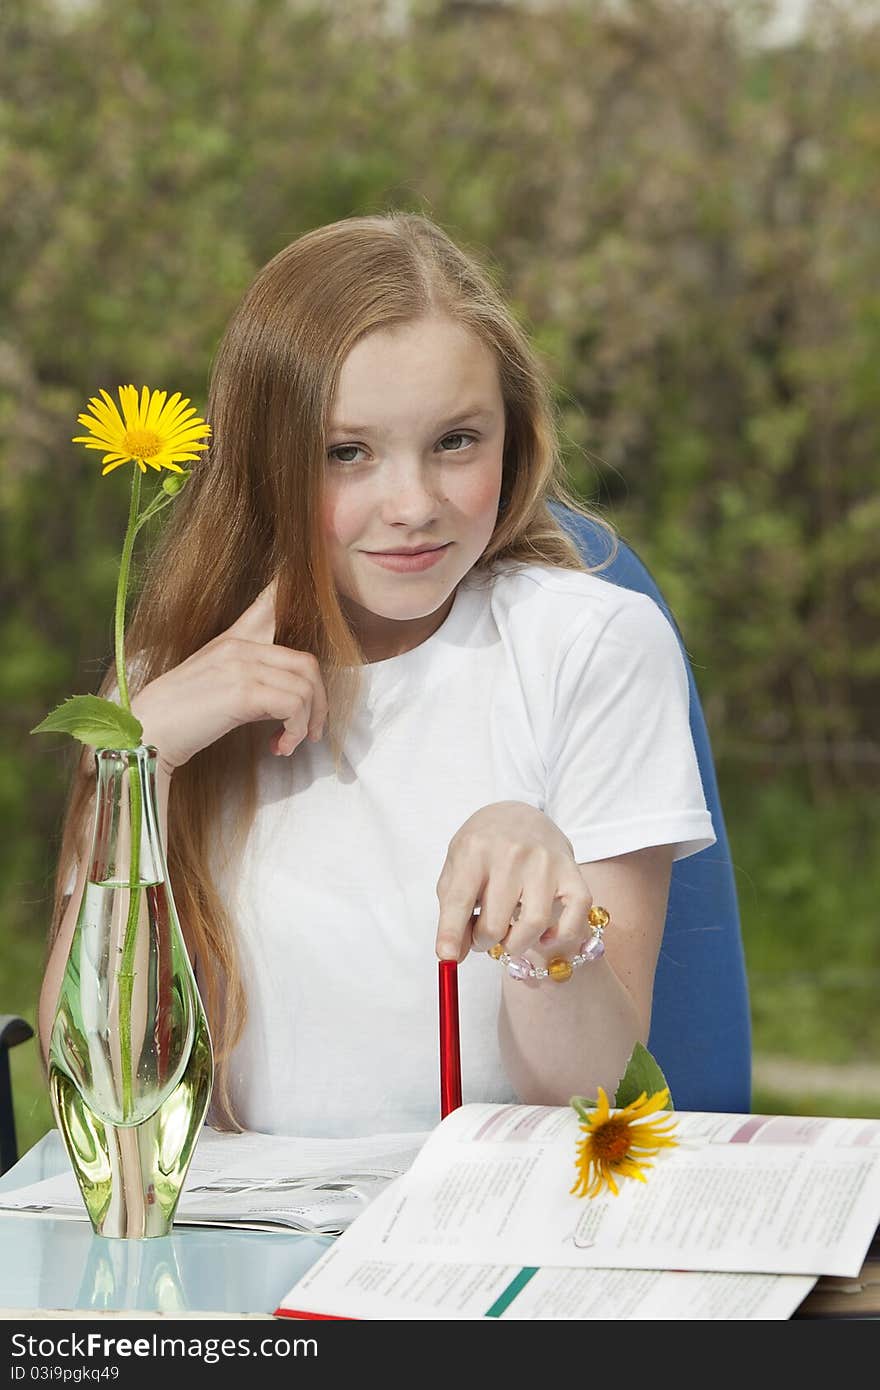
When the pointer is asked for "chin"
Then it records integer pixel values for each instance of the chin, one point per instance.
(409, 608)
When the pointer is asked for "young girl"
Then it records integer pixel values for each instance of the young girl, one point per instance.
(472, 737)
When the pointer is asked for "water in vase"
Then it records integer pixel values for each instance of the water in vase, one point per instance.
(130, 1057)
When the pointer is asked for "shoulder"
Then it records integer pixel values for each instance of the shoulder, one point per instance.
(554, 610)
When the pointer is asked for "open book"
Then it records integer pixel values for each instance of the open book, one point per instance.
(738, 1221)
(259, 1182)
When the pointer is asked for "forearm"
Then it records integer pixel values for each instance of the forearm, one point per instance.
(563, 1039)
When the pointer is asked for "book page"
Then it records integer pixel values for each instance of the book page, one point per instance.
(492, 1184)
(808, 1131)
(349, 1281)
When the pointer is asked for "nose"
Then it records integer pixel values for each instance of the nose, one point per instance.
(410, 495)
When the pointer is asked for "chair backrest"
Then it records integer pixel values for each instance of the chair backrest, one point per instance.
(13, 1030)
(701, 1023)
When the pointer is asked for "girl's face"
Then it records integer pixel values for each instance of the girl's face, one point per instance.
(414, 457)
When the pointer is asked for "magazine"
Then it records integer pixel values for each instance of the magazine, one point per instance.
(259, 1182)
(739, 1220)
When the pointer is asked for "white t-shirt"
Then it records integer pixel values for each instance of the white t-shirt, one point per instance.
(545, 685)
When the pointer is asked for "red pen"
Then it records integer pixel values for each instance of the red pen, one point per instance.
(450, 1043)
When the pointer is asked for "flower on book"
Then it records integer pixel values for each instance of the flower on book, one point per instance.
(621, 1141)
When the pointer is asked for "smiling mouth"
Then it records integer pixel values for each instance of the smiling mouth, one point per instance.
(423, 550)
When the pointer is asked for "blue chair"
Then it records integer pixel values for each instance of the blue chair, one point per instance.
(13, 1030)
(701, 1022)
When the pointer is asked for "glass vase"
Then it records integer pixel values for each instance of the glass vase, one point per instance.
(130, 1060)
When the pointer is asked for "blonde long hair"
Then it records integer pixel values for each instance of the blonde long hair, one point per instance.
(252, 510)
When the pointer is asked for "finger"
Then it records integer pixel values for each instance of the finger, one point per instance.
(291, 703)
(274, 659)
(535, 916)
(283, 742)
(498, 903)
(566, 926)
(576, 901)
(457, 897)
(257, 622)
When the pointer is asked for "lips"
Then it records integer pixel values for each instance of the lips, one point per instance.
(420, 550)
(405, 563)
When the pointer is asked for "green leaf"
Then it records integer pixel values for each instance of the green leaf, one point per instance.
(642, 1074)
(96, 722)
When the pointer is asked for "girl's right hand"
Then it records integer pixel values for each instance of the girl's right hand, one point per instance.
(237, 678)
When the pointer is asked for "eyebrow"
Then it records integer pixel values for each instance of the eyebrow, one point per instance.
(461, 417)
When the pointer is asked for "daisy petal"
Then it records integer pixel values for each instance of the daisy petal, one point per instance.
(186, 457)
(97, 443)
(193, 431)
(172, 418)
(113, 411)
(157, 402)
(103, 425)
(128, 397)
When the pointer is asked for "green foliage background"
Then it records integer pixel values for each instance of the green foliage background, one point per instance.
(685, 221)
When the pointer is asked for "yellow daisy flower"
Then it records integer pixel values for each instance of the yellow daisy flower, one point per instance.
(149, 430)
(620, 1142)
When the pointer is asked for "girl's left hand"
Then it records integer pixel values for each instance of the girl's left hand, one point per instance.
(506, 854)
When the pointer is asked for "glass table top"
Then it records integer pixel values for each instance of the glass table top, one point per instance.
(52, 1263)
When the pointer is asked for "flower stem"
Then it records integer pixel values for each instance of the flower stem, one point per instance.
(122, 586)
(149, 512)
(126, 971)
(126, 967)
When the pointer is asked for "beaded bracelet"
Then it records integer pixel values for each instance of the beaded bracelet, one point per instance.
(518, 968)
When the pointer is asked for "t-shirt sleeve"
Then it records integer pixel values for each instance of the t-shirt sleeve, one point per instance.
(622, 769)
